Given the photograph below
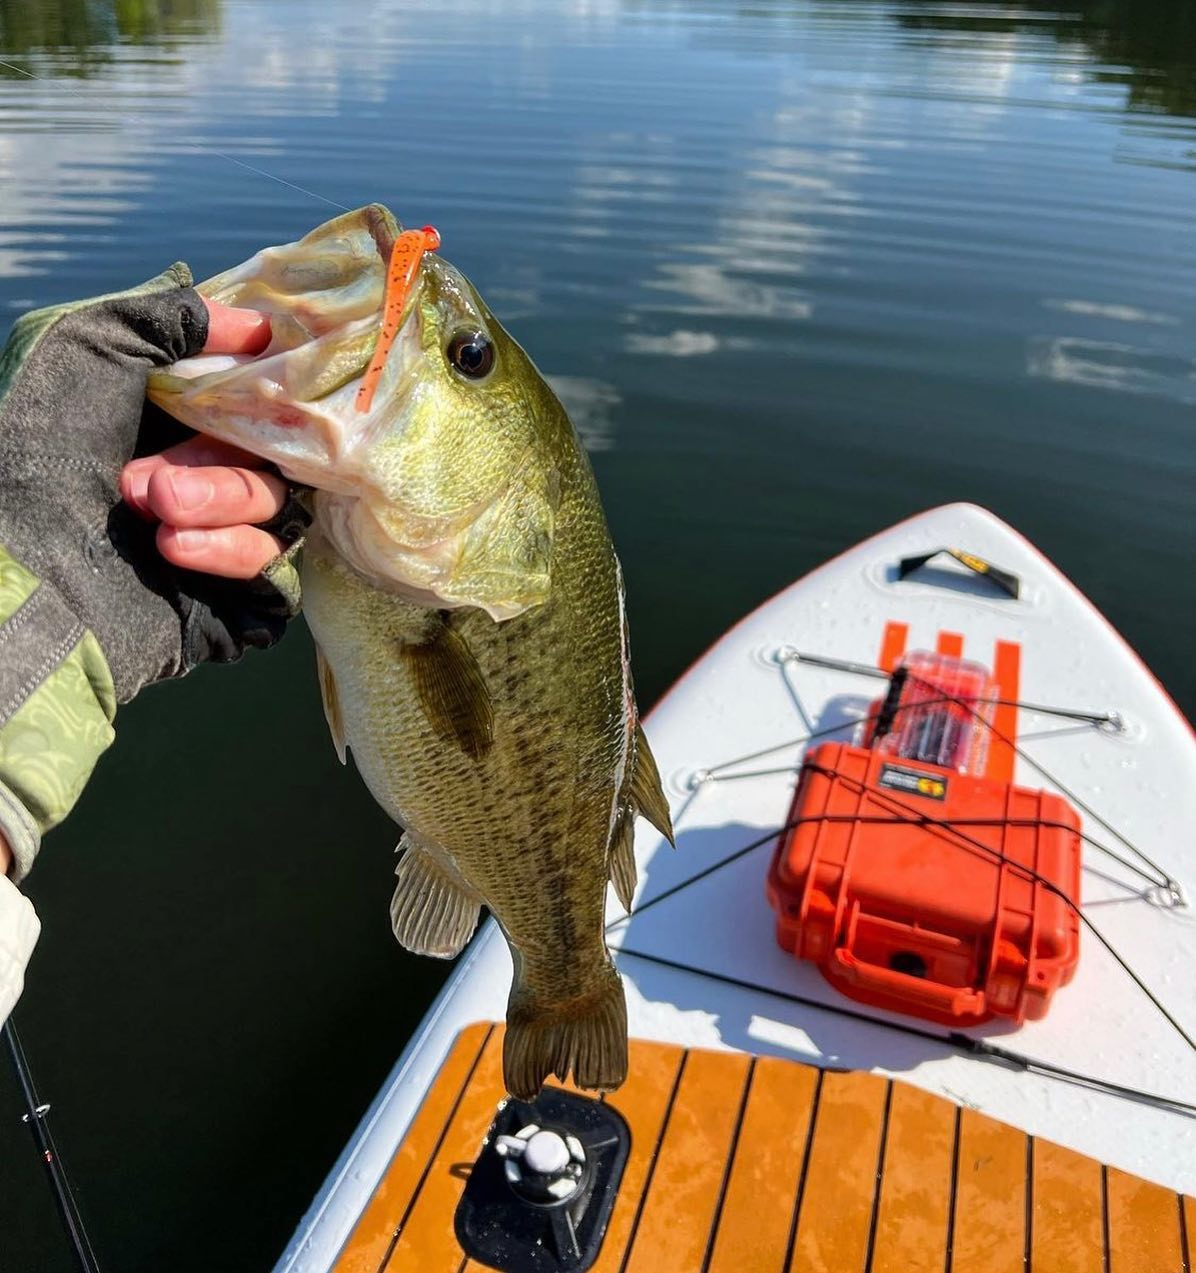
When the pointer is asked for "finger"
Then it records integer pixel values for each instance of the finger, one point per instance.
(236, 552)
(210, 497)
(197, 452)
(235, 331)
(134, 482)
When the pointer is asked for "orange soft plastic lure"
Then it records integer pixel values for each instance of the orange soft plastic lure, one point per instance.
(405, 258)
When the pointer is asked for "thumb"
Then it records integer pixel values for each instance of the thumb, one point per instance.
(235, 331)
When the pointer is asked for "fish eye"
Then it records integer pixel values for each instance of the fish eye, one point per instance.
(471, 353)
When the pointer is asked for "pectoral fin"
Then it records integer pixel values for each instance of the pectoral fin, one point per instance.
(332, 707)
(452, 690)
(431, 912)
(647, 795)
(622, 857)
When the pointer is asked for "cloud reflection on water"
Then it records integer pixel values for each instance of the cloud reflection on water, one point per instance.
(1112, 365)
(1115, 312)
(592, 405)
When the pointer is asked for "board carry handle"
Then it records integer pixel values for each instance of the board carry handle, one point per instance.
(1005, 580)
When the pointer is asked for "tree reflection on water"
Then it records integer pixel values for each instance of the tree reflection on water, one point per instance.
(1148, 46)
(77, 37)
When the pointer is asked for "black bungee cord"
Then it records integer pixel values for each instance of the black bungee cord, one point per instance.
(953, 1039)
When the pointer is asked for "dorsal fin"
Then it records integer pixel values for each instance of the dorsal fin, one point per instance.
(646, 793)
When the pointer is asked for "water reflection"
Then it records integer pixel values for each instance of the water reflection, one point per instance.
(592, 406)
(676, 344)
(1118, 313)
(1150, 48)
(79, 37)
(1106, 364)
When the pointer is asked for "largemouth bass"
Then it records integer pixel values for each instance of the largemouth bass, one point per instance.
(467, 606)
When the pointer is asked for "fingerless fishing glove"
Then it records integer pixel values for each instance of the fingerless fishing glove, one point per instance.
(89, 610)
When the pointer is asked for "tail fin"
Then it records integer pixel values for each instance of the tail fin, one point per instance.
(586, 1035)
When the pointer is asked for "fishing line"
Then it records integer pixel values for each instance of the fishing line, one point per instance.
(203, 148)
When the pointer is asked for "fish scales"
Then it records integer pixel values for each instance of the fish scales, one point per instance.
(467, 607)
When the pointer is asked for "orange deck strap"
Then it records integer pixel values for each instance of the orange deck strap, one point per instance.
(950, 644)
(371, 1240)
(1067, 1219)
(762, 1165)
(687, 1178)
(755, 1219)
(1007, 659)
(835, 1214)
(1143, 1224)
(892, 645)
(988, 1228)
(915, 1184)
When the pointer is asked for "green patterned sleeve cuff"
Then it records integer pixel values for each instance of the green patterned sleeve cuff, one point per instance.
(57, 704)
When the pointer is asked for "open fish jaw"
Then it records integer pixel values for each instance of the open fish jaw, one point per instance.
(436, 489)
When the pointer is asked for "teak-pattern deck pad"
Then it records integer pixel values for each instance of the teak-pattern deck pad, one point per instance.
(761, 1165)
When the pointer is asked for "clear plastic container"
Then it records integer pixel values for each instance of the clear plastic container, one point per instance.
(944, 714)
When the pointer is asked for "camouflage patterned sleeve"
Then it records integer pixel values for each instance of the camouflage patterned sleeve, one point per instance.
(57, 703)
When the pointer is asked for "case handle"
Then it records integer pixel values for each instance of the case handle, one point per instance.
(1005, 580)
(955, 1001)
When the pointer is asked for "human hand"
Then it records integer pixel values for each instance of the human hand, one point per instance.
(109, 602)
(209, 497)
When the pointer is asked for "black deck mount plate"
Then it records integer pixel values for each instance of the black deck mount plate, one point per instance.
(499, 1229)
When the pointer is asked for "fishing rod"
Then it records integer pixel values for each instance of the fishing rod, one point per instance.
(36, 1118)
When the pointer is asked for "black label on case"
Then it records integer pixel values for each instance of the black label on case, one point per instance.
(914, 782)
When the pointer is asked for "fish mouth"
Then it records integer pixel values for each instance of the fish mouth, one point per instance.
(383, 228)
(292, 403)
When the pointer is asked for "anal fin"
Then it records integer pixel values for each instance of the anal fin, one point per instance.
(332, 706)
(647, 794)
(431, 912)
(622, 857)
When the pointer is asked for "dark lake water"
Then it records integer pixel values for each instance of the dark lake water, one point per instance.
(799, 269)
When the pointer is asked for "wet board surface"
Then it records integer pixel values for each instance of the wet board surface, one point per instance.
(763, 1164)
